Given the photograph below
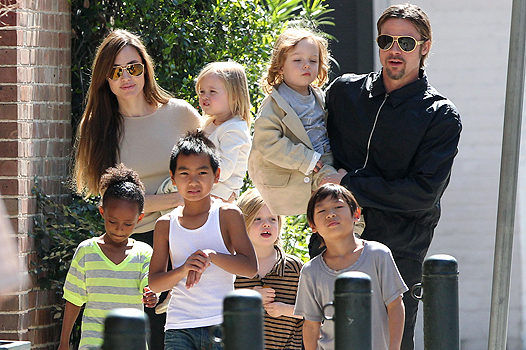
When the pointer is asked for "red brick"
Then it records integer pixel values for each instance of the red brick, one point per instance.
(8, 111)
(26, 242)
(24, 57)
(11, 206)
(9, 322)
(9, 130)
(8, 149)
(8, 167)
(8, 75)
(8, 56)
(8, 93)
(8, 37)
(8, 335)
(9, 187)
(44, 335)
(8, 19)
(8, 303)
(63, 6)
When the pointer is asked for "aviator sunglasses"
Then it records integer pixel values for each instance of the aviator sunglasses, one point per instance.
(405, 43)
(135, 69)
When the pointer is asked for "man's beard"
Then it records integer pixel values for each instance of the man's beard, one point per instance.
(395, 75)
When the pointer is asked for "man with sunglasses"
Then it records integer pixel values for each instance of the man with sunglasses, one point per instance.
(394, 138)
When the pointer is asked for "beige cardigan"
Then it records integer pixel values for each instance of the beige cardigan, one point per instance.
(281, 155)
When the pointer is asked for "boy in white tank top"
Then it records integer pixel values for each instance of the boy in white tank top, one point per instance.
(207, 242)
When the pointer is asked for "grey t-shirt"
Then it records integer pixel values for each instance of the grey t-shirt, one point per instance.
(311, 114)
(316, 289)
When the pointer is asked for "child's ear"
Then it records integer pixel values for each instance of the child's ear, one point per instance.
(101, 210)
(313, 227)
(172, 176)
(217, 174)
(140, 217)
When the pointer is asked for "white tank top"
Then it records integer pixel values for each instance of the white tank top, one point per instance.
(201, 305)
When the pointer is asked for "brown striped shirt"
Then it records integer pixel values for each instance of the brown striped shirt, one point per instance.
(280, 332)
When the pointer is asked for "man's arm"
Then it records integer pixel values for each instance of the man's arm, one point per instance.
(311, 334)
(396, 315)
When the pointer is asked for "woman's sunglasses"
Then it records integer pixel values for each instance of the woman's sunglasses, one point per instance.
(135, 69)
(405, 43)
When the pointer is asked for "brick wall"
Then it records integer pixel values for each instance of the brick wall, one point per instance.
(35, 138)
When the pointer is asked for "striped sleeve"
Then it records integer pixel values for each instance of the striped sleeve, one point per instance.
(75, 285)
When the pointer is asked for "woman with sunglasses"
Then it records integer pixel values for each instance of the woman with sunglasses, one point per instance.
(130, 119)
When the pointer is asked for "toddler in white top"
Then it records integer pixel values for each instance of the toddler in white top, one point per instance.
(223, 95)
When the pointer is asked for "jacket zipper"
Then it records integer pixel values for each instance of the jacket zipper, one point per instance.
(371, 135)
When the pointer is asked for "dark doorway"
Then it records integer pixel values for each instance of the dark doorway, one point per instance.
(354, 29)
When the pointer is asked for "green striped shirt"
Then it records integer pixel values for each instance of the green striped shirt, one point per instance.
(93, 279)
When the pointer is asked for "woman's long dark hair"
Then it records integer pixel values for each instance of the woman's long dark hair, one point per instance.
(100, 130)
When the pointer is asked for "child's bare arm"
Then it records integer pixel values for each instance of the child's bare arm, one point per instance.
(277, 309)
(311, 334)
(396, 315)
(71, 312)
(242, 261)
(161, 280)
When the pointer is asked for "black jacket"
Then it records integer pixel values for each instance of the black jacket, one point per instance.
(398, 149)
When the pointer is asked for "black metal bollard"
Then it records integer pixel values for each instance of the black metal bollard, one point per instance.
(440, 298)
(126, 329)
(352, 311)
(243, 320)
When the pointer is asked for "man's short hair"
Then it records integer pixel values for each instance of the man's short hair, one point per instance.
(412, 13)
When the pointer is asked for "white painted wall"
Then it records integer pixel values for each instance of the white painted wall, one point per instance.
(468, 64)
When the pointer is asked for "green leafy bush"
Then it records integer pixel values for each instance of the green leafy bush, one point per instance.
(58, 230)
(183, 36)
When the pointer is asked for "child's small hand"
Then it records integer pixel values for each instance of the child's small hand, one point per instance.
(149, 298)
(318, 166)
(268, 294)
(276, 309)
(196, 265)
(192, 279)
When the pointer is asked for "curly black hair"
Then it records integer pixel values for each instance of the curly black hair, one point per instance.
(123, 183)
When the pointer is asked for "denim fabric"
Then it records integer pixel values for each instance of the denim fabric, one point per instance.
(192, 339)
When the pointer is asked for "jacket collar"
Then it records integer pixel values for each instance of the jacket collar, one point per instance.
(376, 87)
(291, 119)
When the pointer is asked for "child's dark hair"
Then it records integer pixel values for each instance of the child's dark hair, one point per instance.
(195, 142)
(333, 191)
(122, 183)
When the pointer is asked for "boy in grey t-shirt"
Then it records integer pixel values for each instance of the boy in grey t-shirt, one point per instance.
(332, 211)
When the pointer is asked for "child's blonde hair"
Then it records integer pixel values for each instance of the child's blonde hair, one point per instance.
(235, 81)
(250, 203)
(286, 43)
